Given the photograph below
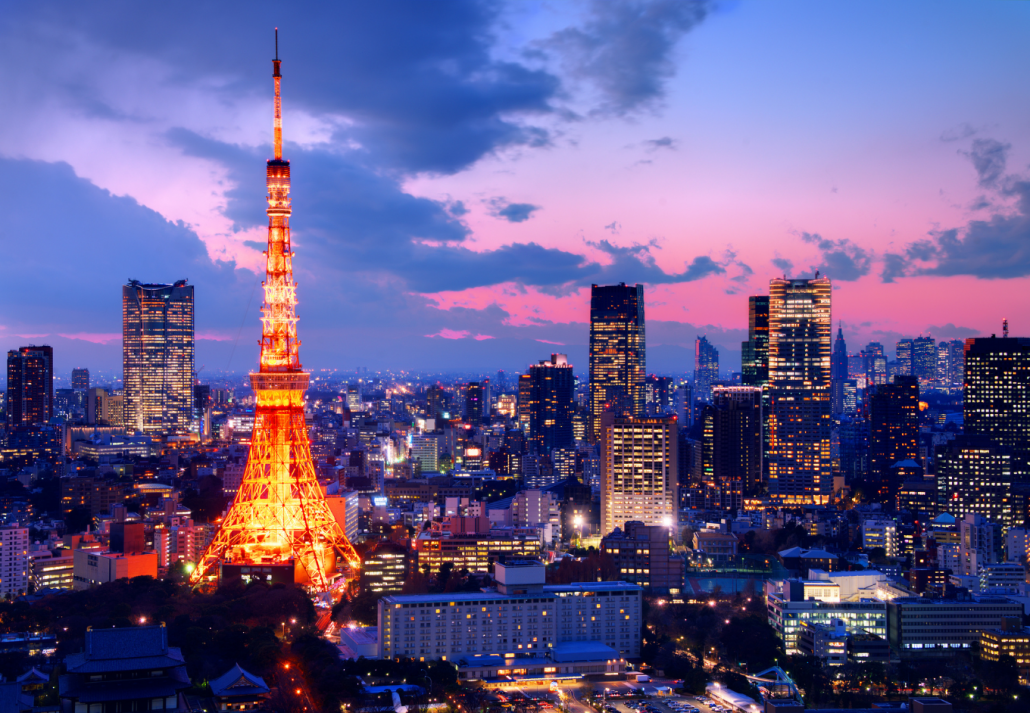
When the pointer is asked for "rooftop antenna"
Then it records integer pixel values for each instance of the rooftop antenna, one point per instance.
(1004, 328)
(277, 75)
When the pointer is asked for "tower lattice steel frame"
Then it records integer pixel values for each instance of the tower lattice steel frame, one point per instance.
(279, 512)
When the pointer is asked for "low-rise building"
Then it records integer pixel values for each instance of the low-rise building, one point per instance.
(718, 547)
(92, 567)
(1008, 577)
(124, 669)
(642, 555)
(1010, 639)
(919, 626)
(524, 617)
(238, 690)
(792, 603)
(827, 642)
(385, 568)
(474, 552)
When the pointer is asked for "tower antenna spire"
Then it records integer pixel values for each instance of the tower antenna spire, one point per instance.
(277, 77)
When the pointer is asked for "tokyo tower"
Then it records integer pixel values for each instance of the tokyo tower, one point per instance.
(279, 514)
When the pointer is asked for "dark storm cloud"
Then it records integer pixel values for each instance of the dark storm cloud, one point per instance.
(841, 259)
(418, 80)
(99, 239)
(625, 49)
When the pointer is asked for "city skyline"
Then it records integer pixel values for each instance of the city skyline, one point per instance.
(482, 225)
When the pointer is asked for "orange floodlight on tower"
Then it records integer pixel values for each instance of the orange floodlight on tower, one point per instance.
(280, 515)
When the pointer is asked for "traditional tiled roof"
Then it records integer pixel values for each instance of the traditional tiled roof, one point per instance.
(125, 649)
(237, 682)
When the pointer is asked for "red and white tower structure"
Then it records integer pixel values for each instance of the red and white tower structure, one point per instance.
(280, 514)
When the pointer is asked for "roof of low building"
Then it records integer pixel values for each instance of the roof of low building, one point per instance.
(238, 682)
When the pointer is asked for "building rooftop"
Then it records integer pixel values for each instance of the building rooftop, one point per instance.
(459, 598)
(238, 682)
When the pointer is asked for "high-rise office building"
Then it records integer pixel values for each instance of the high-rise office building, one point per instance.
(638, 471)
(618, 352)
(30, 385)
(875, 364)
(799, 422)
(158, 356)
(706, 368)
(924, 360)
(436, 401)
(754, 353)
(731, 448)
(958, 362)
(659, 392)
(997, 396)
(894, 432)
(903, 352)
(550, 404)
(974, 475)
(838, 372)
(474, 403)
(80, 379)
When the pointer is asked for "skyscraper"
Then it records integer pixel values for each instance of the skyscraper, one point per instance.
(894, 432)
(754, 353)
(30, 385)
(974, 475)
(638, 471)
(732, 446)
(157, 356)
(799, 420)
(924, 360)
(904, 356)
(875, 364)
(618, 352)
(80, 379)
(997, 396)
(474, 403)
(838, 372)
(550, 405)
(706, 368)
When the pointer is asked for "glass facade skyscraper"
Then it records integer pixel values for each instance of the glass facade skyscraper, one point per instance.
(997, 396)
(30, 386)
(158, 356)
(549, 404)
(706, 368)
(799, 423)
(618, 352)
(754, 353)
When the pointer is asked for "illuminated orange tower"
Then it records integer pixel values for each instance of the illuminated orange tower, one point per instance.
(279, 513)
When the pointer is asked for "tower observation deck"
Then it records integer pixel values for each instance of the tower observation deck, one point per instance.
(280, 516)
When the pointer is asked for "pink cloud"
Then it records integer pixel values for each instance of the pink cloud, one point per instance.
(450, 334)
(481, 337)
(548, 341)
(95, 337)
(213, 336)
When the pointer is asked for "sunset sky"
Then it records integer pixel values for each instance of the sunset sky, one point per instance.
(463, 171)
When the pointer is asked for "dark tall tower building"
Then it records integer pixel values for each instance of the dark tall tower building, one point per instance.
(474, 403)
(30, 385)
(924, 360)
(732, 446)
(799, 419)
(436, 401)
(754, 353)
(997, 396)
(80, 379)
(875, 363)
(974, 475)
(550, 404)
(618, 352)
(838, 372)
(157, 356)
(893, 432)
(706, 368)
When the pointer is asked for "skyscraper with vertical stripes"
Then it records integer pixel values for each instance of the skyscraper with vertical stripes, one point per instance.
(618, 354)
